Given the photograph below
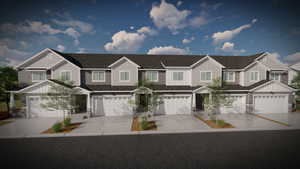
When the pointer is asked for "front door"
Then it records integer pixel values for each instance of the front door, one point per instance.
(200, 101)
(143, 102)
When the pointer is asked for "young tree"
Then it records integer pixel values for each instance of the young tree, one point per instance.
(8, 81)
(217, 98)
(61, 97)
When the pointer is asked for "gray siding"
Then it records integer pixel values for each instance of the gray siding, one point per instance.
(124, 66)
(86, 78)
(284, 78)
(207, 65)
(75, 72)
(44, 60)
(161, 77)
(262, 74)
(24, 78)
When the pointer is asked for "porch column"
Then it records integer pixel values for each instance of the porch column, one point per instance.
(88, 102)
(193, 101)
(27, 107)
(11, 102)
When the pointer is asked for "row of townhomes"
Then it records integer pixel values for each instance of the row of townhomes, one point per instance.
(257, 83)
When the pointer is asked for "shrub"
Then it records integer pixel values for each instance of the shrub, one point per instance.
(144, 124)
(222, 123)
(57, 127)
(67, 121)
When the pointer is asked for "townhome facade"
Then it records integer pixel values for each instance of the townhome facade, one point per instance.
(257, 83)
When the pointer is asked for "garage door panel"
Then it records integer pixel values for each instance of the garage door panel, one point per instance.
(175, 105)
(238, 105)
(271, 104)
(37, 110)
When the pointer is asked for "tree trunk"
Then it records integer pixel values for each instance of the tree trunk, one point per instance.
(7, 104)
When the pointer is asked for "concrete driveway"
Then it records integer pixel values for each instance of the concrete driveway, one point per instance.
(26, 127)
(179, 123)
(293, 119)
(106, 125)
(248, 121)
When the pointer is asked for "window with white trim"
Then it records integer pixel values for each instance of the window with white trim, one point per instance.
(65, 75)
(177, 76)
(205, 76)
(228, 76)
(38, 76)
(152, 76)
(275, 76)
(124, 76)
(254, 76)
(98, 76)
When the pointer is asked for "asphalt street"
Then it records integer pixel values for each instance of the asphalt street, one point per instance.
(278, 149)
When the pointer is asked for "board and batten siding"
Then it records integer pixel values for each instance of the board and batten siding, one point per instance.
(86, 78)
(206, 65)
(124, 66)
(75, 72)
(256, 67)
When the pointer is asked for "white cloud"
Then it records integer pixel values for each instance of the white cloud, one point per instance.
(81, 50)
(179, 3)
(131, 27)
(275, 54)
(185, 41)
(11, 57)
(229, 47)
(76, 42)
(254, 20)
(72, 32)
(229, 34)
(24, 44)
(198, 21)
(123, 41)
(164, 50)
(61, 48)
(166, 15)
(82, 26)
(147, 30)
(292, 58)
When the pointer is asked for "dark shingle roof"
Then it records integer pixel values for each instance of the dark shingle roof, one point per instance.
(85, 60)
(130, 88)
(239, 87)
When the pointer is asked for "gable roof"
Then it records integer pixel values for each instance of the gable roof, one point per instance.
(87, 60)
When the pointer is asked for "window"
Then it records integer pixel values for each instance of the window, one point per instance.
(38, 76)
(152, 76)
(275, 76)
(205, 76)
(228, 76)
(124, 76)
(98, 76)
(178, 76)
(65, 75)
(254, 76)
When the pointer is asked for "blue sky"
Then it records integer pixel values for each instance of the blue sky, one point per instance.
(153, 27)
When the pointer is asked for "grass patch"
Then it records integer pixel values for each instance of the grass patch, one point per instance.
(65, 129)
(143, 125)
(215, 123)
(5, 122)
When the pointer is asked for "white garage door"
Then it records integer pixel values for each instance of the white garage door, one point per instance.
(175, 105)
(35, 109)
(113, 105)
(238, 104)
(271, 103)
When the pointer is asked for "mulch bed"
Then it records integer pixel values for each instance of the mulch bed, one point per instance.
(212, 123)
(136, 125)
(64, 130)
(5, 122)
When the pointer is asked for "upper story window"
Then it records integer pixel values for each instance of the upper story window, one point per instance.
(177, 76)
(65, 75)
(124, 76)
(38, 76)
(205, 76)
(275, 76)
(152, 76)
(254, 76)
(228, 76)
(98, 76)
